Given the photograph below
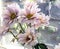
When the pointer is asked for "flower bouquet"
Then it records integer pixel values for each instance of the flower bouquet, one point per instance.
(27, 23)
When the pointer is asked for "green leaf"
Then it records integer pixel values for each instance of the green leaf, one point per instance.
(24, 26)
(51, 29)
(40, 46)
(41, 28)
(15, 25)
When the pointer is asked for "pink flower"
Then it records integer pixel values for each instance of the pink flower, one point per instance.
(30, 12)
(11, 12)
(31, 8)
(41, 20)
(3, 30)
(28, 38)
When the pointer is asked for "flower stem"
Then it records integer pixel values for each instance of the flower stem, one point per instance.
(21, 27)
(13, 35)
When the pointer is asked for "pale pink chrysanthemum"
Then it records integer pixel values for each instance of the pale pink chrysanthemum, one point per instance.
(29, 38)
(41, 20)
(31, 8)
(57, 46)
(11, 12)
(3, 30)
(30, 12)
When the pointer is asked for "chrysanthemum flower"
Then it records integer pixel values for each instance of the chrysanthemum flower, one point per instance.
(29, 38)
(57, 46)
(30, 12)
(3, 30)
(41, 20)
(11, 12)
(44, 19)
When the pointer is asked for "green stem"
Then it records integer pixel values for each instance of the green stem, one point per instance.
(32, 47)
(13, 35)
(21, 27)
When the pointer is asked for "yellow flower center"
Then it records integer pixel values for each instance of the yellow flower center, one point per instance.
(29, 16)
(12, 16)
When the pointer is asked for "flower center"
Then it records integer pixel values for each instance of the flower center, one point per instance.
(27, 39)
(30, 37)
(29, 16)
(12, 16)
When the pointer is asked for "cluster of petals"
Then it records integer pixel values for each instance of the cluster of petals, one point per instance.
(10, 13)
(32, 14)
(29, 38)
